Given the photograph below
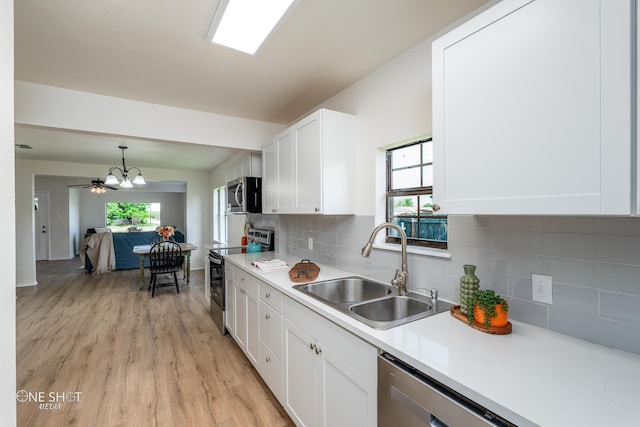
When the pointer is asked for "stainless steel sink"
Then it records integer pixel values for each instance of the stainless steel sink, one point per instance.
(349, 290)
(396, 310)
(373, 303)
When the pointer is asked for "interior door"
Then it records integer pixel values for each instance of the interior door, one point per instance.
(41, 213)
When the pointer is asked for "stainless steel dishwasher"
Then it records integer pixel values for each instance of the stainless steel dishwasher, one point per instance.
(409, 398)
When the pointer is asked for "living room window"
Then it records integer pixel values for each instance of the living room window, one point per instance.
(410, 196)
(123, 217)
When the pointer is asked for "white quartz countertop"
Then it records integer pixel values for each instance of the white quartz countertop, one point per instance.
(532, 376)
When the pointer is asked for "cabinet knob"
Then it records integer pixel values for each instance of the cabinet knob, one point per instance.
(243, 290)
(267, 359)
(312, 346)
(267, 316)
(267, 295)
(317, 209)
(318, 350)
(436, 207)
(242, 278)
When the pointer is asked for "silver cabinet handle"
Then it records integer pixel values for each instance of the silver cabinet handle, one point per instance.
(267, 359)
(267, 295)
(244, 291)
(436, 207)
(267, 316)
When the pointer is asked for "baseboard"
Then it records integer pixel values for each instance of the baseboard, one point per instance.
(24, 285)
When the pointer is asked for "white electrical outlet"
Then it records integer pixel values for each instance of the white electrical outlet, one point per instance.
(541, 288)
(310, 243)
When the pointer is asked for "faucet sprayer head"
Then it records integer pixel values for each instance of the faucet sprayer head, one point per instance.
(366, 250)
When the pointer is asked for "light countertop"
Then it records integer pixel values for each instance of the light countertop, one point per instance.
(532, 376)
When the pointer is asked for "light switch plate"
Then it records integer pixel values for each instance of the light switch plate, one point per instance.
(541, 288)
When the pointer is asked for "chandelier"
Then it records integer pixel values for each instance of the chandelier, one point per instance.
(124, 172)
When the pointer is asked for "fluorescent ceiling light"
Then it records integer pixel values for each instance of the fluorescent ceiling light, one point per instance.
(245, 24)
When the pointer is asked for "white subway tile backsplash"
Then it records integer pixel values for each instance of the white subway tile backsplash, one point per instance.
(528, 312)
(594, 262)
(619, 249)
(624, 308)
(576, 299)
(610, 333)
(570, 245)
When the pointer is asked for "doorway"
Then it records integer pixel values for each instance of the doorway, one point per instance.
(41, 224)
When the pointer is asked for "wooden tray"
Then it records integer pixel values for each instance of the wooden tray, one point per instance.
(304, 271)
(502, 330)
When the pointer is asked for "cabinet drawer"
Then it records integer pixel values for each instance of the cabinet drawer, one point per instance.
(271, 296)
(271, 328)
(271, 370)
(244, 280)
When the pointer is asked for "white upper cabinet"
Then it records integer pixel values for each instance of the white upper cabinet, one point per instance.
(277, 182)
(313, 163)
(532, 110)
(249, 164)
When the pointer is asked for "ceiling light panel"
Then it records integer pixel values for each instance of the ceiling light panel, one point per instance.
(245, 24)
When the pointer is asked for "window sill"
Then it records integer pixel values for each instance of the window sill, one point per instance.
(432, 252)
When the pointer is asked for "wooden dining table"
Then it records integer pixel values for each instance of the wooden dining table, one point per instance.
(144, 250)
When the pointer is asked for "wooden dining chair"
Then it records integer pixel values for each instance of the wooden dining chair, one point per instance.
(165, 258)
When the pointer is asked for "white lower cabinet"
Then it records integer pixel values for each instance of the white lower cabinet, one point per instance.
(271, 348)
(320, 373)
(330, 375)
(246, 314)
(230, 304)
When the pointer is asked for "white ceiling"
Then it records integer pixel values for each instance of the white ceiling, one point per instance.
(155, 51)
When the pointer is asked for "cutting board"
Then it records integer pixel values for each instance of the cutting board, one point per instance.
(304, 271)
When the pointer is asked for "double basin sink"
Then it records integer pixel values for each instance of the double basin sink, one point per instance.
(375, 304)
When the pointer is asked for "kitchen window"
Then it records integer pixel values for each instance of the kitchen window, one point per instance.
(219, 217)
(410, 196)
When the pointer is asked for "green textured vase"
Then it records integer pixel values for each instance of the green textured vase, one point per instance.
(469, 285)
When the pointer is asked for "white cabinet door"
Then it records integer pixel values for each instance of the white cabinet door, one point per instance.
(349, 399)
(270, 177)
(308, 164)
(532, 110)
(330, 375)
(299, 369)
(277, 169)
(240, 330)
(246, 332)
(285, 172)
(230, 303)
(253, 327)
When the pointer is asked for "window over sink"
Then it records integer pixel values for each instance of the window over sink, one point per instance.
(409, 196)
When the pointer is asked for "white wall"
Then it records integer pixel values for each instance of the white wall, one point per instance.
(7, 219)
(41, 105)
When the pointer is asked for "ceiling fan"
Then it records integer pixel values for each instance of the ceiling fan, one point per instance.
(97, 186)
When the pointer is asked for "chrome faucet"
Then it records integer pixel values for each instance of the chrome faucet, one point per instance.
(402, 275)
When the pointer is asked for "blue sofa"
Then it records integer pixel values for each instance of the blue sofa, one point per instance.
(123, 244)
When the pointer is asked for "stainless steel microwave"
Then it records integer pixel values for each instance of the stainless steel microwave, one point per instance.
(244, 195)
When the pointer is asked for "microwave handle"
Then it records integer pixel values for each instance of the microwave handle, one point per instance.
(238, 188)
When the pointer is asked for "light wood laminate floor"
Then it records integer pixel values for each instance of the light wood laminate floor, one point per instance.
(110, 355)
